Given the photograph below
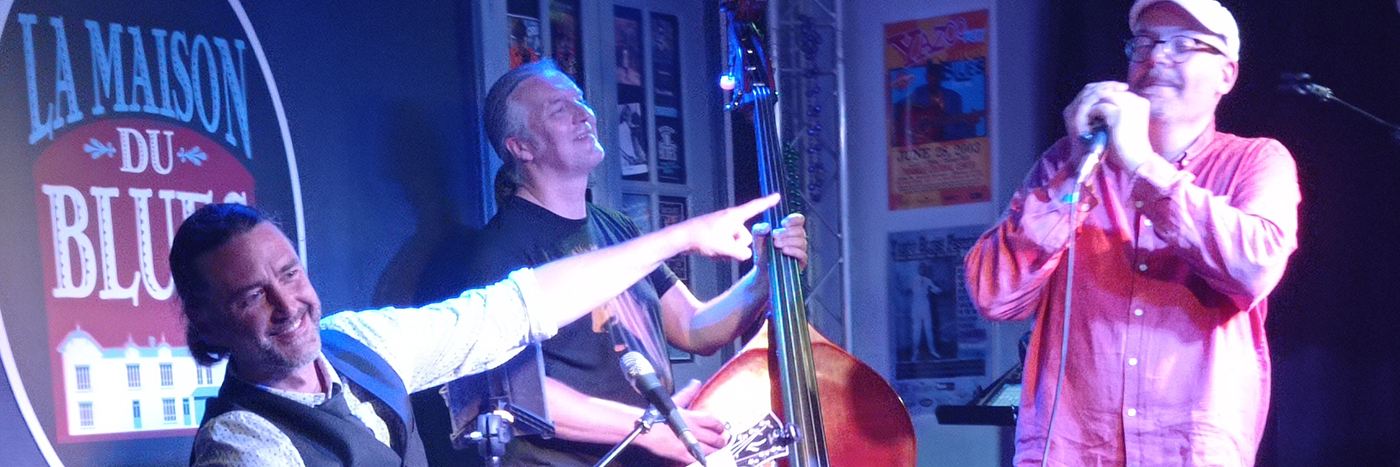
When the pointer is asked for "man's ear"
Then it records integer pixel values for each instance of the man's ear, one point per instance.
(520, 148)
(1230, 75)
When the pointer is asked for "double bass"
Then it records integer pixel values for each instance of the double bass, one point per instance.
(835, 410)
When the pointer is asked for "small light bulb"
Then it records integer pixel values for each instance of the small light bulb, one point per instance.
(727, 82)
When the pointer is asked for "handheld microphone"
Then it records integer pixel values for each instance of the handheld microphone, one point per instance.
(643, 377)
(1097, 139)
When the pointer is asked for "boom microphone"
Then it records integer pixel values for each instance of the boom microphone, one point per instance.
(643, 376)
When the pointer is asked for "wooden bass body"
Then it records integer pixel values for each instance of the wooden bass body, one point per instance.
(866, 424)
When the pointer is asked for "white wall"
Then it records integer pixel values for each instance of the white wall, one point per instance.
(1016, 109)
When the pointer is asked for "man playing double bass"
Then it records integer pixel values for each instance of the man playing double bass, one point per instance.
(546, 134)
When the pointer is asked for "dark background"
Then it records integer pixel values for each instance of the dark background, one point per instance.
(1332, 321)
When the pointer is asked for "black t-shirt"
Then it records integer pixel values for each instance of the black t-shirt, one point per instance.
(584, 354)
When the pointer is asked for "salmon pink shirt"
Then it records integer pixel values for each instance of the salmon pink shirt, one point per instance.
(1168, 363)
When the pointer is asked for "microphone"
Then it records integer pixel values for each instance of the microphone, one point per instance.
(1097, 139)
(1303, 85)
(643, 377)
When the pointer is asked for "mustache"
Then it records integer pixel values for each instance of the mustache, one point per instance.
(1157, 76)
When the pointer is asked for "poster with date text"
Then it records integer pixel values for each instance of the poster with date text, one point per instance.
(936, 96)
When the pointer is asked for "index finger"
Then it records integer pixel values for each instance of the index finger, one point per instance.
(753, 208)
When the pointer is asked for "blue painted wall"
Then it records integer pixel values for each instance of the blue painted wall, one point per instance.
(383, 118)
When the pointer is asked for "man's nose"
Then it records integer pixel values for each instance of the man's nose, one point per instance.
(1161, 52)
(281, 299)
(582, 112)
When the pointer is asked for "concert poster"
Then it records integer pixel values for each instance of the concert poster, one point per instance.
(637, 206)
(632, 139)
(627, 30)
(941, 344)
(524, 34)
(936, 82)
(565, 40)
(674, 210)
(666, 83)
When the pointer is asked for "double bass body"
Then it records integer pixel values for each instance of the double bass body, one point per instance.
(865, 422)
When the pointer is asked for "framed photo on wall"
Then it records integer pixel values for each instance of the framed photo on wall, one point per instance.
(673, 210)
(524, 35)
(632, 138)
(637, 206)
(666, 99)
(565, 39)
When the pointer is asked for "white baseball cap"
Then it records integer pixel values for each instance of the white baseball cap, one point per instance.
(1210, 13)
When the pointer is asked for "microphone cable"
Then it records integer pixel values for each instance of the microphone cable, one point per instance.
(1097, 138)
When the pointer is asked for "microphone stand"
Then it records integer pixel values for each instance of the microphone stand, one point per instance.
(1302, 84)
(493, 433)
(643, 425)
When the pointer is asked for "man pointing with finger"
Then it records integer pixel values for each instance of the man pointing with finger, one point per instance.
(1178, 239)
(302, 390)
(546, 135)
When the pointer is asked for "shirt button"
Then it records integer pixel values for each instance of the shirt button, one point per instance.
(1132, 412)
(1132, 362)
(1138, 204)
(1147, 222)
(1142, 267)
(1137, 312)
(1084, 207)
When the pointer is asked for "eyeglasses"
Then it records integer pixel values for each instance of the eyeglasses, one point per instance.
(1178, 49)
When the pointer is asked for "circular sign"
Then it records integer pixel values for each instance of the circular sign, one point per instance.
(123, 118)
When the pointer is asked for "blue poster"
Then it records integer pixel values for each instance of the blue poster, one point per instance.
(940, 343)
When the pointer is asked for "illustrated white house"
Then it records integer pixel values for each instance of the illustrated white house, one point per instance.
(131, 388)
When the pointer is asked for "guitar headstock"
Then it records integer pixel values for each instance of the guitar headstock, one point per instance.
(748, 66)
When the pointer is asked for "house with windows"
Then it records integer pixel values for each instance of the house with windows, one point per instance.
(133, 388)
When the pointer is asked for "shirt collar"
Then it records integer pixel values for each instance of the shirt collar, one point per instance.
(1197, 147)
(316, 399)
